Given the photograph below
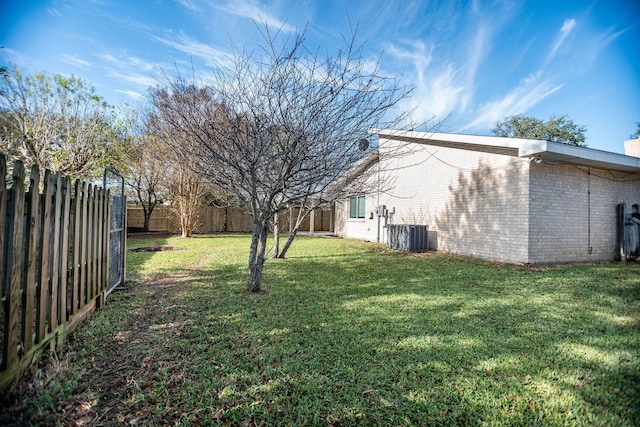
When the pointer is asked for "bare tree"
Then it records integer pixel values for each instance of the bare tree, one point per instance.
(186, 188)
(360, 180)
(54, 122)
(279, 128)
(147, 168)
(186, 191)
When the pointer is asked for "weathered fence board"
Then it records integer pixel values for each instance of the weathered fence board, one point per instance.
(3, 267)
(15, 216)
(64, 258)
(53, 262)
(77, 224)
(32, 231)
(83, 246)
(43, 284)
(3, 275)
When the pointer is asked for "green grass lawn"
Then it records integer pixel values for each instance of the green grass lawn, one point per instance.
(348, 333)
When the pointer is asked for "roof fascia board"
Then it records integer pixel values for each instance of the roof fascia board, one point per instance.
(472, 140)
(524, 147)
(577, 154)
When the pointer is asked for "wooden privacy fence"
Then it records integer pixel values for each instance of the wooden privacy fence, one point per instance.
(214, 219)
(53, 262)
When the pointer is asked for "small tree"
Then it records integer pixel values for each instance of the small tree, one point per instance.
(54, 122)
(186, 191)
(279, 128)
(146, 177)
(557, 129)
(186, 188)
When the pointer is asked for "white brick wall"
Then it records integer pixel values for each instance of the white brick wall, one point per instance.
(494, 206)
(565, 223)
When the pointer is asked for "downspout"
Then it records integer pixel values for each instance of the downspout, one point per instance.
(378, 194)
(590, 249)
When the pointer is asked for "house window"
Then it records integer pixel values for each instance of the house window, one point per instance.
(356, 207)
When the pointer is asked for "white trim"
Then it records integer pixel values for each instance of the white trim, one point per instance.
(547, 151)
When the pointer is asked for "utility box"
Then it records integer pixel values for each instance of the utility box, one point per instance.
(407, 237)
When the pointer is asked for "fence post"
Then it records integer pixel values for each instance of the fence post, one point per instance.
(32, 231)
(84, 291)
(3, 269)
(14, 267)
(55, 265)
(43, 285)
(77, 215)
(64, 252)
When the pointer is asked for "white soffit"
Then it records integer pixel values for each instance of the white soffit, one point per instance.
(556, 152)
(552, 152)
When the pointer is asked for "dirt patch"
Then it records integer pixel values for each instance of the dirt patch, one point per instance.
(153, 249)
(126, 356)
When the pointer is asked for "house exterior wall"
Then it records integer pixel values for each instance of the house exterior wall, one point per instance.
(495, 206)
(573, 210)
(364, 229)
(474, 203)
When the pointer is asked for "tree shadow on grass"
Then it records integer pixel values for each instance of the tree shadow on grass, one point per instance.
(496, 343)
(406, 338)
(497, 347)
(360, 338)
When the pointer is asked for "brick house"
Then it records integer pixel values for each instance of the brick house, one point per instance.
(502, 199)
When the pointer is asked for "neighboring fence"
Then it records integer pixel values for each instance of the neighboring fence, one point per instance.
(214, 220)
(53, 262)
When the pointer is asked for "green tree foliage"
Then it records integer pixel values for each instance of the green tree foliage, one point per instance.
(637, 134)
(557, 129)
(55, 122)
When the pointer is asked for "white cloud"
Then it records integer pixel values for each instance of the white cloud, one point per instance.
(196, 48)
(130, 93)
(250, 9)
(70, 59)
(478, 49)
(567, 27)
(600, 42)
(109, 58)
(145, 80)
(131, 68)
(440, 87)
(141, 64)
(529, 92)
(436, 94)
(189, 4)
(445, 73)
(54, 12)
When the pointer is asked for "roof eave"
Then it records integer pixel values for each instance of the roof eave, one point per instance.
(555, 152)
(552, 152)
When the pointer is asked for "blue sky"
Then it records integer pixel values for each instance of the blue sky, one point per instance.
(471, 62)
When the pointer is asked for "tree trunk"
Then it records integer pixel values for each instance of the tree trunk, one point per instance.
(292, 236)
(186, 233)
(302, 213)
(276, 236)
(257, 254)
